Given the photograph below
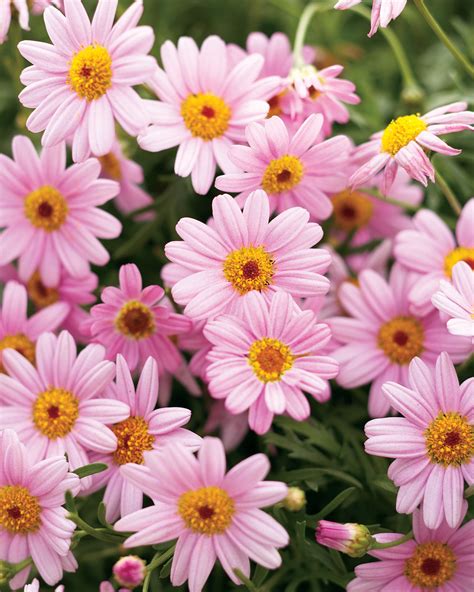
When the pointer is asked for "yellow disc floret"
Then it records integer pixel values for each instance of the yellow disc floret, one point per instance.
(133, 440)
(400, 132)
(90, 72)
(450, 439)
(249, 268)
(458, 254)
(207, 510)
(135, 320)
(282, 174)
(111, 166)
(40, 294)
(431, 565)
(401, 339)
(206, 115)
(55, 412)
(19, 510)
(270, 359)
(19, 343)
(46, 208)
(352, 210)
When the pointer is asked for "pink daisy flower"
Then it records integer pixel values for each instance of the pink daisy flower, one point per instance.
(456, 300)
(82, 83)
(19, 332)
(431, 250)
(50, 213)
(33, 522)
(433, 442)
(9, 7)
(56, 407)
(438, 559)
(293, 171)
(133, 323)
(204, 106)
(383, 11)
(7, 273)
(238, 253)
(352, 539)
(145, 429)
(129, 175)
(383, 334)
(265, 360)
(403, 144)
(214, 514)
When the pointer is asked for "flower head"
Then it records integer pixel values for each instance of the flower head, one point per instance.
(433, 442)
(129, 571)
(214, 514)
(383, 11)
(8, 9)
(50, 213)
(295, 499)
(82, 83)
(350, 538)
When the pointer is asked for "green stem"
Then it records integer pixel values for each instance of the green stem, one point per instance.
(160, 559)
(308, 13)
(443, 37)
(245, 581)
(395, 543)
(102, 534)
(448, 193)
(390, 200)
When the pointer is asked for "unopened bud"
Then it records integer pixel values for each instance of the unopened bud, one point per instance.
(295, 499)
(353, 539)
(129, 571)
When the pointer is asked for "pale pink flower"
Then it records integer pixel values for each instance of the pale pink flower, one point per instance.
(456, 300)
(294, 170)
(19, 332)
(438, 559)
(213, 515)
(33, 522)
(204, 106)
(433, 443)
(264, 360)
(350, 538)
(133, 323)
(431, 250)
(144, 429)
(10, 7)
(383, 11)
(7, 273)
(403, 144)
(129, 571)
(238, 253)
(232, 428)
(56, 407)
(82, 83)
(383, 334)
(50, 214)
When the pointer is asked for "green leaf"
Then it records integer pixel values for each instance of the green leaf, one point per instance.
(259, 575)
(101, 512)
(70, 503)
(333, 504)
(91, 469)
(308, 474)
(166, 569)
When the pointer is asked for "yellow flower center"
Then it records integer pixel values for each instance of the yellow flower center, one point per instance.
(111, 166)
(207, 510)
(205, 115)
(431, 565)
(458, 254)
(40, 294)
(46, 208)
(282, 174)
(19, 510)
(249, 268)
(90, 72)
(351, 210)
(55, 412)
(400, 132)
(450, 439)
(270, 359)
(275, 104)
(132, 440)
(401, 339)
(135, 320)
(19, 343)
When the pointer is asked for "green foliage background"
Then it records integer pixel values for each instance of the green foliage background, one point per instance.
(325, 455)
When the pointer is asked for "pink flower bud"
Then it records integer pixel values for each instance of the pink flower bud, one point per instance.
(353, 539)
(129, 571)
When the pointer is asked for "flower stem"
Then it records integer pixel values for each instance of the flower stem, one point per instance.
(308, 13)
(390, 200)
(102, 534)
(159, 559)
(443, 37)
(395, 543)
(448, 193)
(245, 581)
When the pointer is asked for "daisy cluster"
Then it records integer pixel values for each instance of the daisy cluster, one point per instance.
(308, 270)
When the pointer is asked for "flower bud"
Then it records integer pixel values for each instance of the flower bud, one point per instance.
(353, 539)
(295, 499)
(129, 571)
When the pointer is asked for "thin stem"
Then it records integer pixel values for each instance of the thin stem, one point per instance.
(443, 37)
(395, 543)
(101, 534)
(448, 193)
(390, 200)
(160, 559)
(303, 25)
(245, 581)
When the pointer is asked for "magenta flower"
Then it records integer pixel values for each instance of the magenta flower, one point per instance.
(433, 442)
(50, 213)
(220, 264)
(144, 429)
(403, 144)
(431, 250)
(32, 521)
(214, 515)
(131, 322)
(19, 332)
(352, 539)
(296, 171)
(383, 335)
(82, 83)
(456, 300)
(204, 106)
(129, 571)
(437, 559)
(266, 359)
(383, 11)
(57, 408)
